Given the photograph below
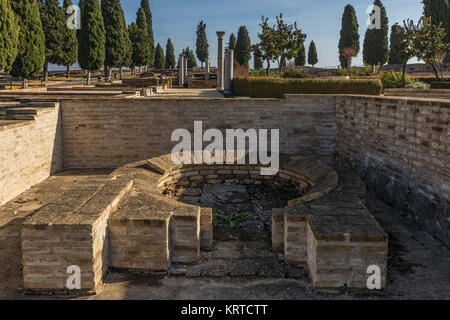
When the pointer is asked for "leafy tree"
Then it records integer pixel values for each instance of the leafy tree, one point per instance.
(289, 40)
(349, 35)
(159, 57)
(300, 59)
(312, 54)
(31, 47)
(393, 57)
(141, 47)
(69, 48)
(9, 35)
(243, 50)
(170, 55)
(405, 44)
(268, 42)
(115, 37)
(429, 43)
(257, 57)
(149, 20)
(202, 45)
(439, 11)
(91, 48)
(232, 42)
(376, 46)
(53, 25)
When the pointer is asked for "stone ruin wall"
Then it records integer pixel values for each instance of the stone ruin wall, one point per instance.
(399, 146)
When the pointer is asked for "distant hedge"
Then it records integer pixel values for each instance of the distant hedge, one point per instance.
(277, 87)
(430, 80)
(440, 85)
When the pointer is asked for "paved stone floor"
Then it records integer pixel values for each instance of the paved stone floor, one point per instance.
(418, 266)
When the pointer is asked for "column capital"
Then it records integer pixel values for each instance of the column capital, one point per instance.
(220, 34)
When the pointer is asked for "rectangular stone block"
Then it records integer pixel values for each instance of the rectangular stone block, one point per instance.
(185, 234)
(206, 228)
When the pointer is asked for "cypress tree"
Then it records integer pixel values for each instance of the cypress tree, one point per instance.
(242, 52)
(376, 45)
(189, 54)
(151, 39)
(133, 34)
(232, 42)
(258, 62)
(170, 55)
(439, 11)
(300, 59)
(202, 45)
(141, 47)
(312, 54)
(9, 35)
(91, 50)
(31, 48)
(393, 56)
(69, 48)
(53, 25)
(159, 57)
(349, 34)
(115, 38)
(127, 45)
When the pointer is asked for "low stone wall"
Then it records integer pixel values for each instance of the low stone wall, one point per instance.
(107, 133)
(419, 93)
(30, 150)
(401, 149)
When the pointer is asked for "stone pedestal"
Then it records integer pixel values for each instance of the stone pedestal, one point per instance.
(208, 69)
(228, 77)
(220, 61)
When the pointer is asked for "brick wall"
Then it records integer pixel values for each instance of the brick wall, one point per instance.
(110, 133)
(30, 152)
(401, 148)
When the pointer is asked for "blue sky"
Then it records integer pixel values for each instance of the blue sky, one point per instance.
(319, 19)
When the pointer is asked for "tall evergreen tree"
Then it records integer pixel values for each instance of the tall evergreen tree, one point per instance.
(232, 42)
(133, 33)
(312, 54)
(258, 62)
(9, 35)
(243, 50)
(202, 45)
(151, 39)
(127, 45)
(170, 55)
(91, 49)
(141, 47)
(376, 45)
(300, 59)
(115, 37)
(349, 34)
(159, 57)
(439, 11)
(69, 48)
(189, 54)
(31, 48)
(53, 25)
(393, 56)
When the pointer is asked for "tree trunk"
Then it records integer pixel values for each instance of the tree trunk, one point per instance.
(403, 75)
(109, 74)
(24, 83)
(268, 67)
(46, 71)
(68, 72)
(349, 63)
(373, 69)
(435, 71)
(88, 80)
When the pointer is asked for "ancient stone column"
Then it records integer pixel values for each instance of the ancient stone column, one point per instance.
(208, 69)
(228, 85)
(181, 71)
(186, 70)
(220, 61)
